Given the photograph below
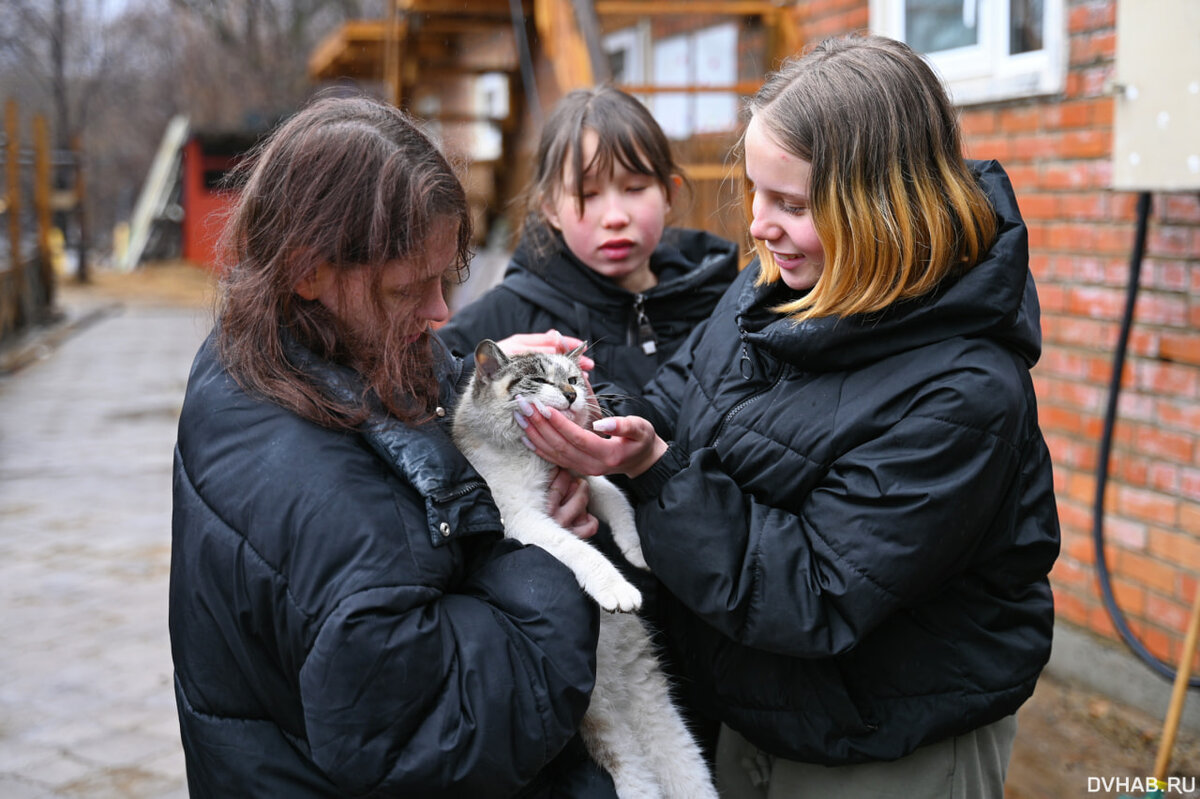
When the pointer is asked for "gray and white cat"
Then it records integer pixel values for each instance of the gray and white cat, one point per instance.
(631, 727)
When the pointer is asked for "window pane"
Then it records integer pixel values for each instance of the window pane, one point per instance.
(616, 66)
(1025, 26)
(933, 25)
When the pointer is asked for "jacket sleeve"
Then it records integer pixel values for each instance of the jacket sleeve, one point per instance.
(409, 691)
(810, 575)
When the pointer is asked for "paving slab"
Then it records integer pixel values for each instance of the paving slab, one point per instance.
(87, 429)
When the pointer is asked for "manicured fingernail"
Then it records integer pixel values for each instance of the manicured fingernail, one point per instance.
(528, 443)
(604, 425)
(542, 409)
(520, 419)
(524, 405)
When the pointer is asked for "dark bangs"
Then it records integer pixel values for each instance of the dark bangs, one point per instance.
(626, 133)
(618, 142)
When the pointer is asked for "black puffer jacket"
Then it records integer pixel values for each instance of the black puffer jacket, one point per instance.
(346, 619)
(856, 517)
(538, 293)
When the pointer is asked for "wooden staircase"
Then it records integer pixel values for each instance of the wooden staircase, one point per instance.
(483, 71)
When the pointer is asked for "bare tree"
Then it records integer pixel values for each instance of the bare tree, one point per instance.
(262, 48)
(50, 47)
(114, 72)
(54, 43)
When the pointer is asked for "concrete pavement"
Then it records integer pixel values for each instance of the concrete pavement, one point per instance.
(87, 428)
(86, 437)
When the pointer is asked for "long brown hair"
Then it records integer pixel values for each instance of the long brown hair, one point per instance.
(349, 182)
(626, 133)
(893, 201)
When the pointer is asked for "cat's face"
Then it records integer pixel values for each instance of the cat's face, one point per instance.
(555, 381)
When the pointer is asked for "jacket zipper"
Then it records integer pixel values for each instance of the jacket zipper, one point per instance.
(746, 366)
(644, 331)
(461, 491)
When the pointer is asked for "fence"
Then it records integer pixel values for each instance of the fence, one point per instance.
(27, 275)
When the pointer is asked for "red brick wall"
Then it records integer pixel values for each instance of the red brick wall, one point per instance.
(1058, 152)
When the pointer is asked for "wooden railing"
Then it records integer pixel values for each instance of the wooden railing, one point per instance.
(27, 277)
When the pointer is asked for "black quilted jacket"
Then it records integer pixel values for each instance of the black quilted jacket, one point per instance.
(630, 334)
(856, 517)
(346, 619)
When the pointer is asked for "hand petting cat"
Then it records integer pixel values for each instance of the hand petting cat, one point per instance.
(631, 447)
(551, 342)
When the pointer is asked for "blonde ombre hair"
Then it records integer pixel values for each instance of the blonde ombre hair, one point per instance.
(892, 200)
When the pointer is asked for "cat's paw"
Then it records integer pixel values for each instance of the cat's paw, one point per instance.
(619, 596)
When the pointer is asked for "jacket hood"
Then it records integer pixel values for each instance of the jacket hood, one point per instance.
(995, 299)
(685, 260)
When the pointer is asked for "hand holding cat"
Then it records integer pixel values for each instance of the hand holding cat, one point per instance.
(631, 448)
(567, 503)
(549, 342)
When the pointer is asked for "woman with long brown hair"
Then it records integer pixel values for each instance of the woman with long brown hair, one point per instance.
(346, 617)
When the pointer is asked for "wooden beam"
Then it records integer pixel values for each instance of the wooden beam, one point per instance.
(741, 87)
(444, 25)
(13, 207)
(478, 8)
(41, 204)
(784, 36)
(355, 37)
(588, 24)
(649, 8)
(393, 42)
(563, 44)
(712, 171)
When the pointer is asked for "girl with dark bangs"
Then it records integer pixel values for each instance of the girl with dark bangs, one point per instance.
(597, 260)
(346, 616)
(840, 479)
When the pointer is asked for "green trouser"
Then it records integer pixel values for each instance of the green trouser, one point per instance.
(970, 766)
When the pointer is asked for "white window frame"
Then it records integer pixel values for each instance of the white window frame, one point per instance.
(987, 72)
(635, 44)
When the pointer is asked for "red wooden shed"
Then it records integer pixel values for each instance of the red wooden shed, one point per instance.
(206, 193)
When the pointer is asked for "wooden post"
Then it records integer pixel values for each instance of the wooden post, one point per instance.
(17, 269)
(784, 36)
(588, 25)
(41, 205)
(563, 44)
(83, 273)
(391, 53)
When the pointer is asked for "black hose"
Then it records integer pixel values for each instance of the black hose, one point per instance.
(1114, 390)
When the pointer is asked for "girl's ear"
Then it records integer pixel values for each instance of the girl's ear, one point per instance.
(551, 215)
(316, 283)
(673, 189)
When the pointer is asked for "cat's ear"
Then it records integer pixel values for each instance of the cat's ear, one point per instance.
(488, 359)
(575, 353)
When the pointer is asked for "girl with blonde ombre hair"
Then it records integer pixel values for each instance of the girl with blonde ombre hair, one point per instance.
(840, 478)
